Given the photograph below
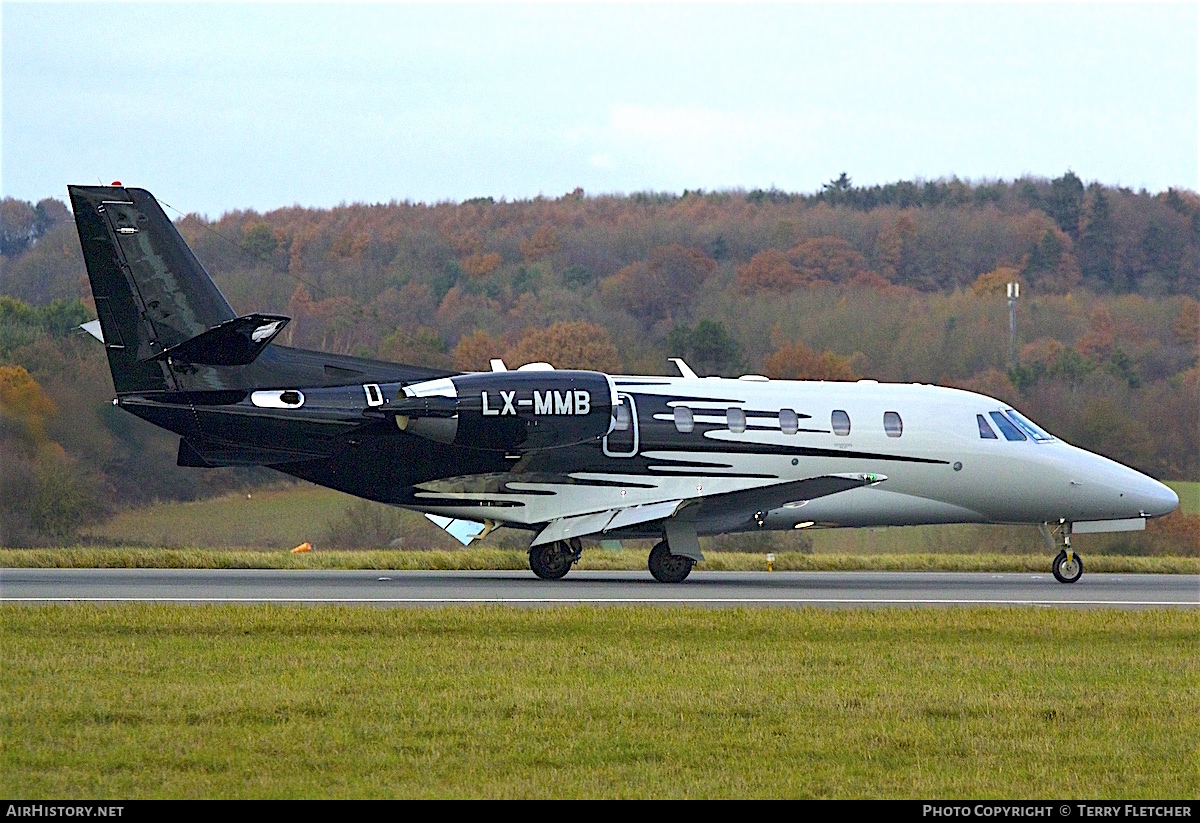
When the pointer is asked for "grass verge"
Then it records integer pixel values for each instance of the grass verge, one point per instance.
(593, 559)
(274, 701)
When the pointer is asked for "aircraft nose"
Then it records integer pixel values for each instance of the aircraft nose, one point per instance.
(1107, 490)
(1157, 498)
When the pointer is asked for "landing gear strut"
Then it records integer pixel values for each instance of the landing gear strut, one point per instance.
(667, 567)
(1067, 566)
(551, 561)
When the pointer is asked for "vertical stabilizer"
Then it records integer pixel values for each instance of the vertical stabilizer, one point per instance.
(151, 292)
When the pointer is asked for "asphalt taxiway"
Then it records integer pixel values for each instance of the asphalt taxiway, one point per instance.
(716, 589)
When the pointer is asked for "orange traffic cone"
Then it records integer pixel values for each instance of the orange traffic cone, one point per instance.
(303, 547)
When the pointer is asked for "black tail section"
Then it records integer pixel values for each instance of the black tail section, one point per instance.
(151, 292)
(171, 334)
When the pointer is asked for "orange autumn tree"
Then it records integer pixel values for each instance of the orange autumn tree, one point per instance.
(817, 260)
(24, 408)
(769, 270)
(796, 361)
(476, 350)
(543, 244)
(828, 258)
(659, 287)
(578, 345)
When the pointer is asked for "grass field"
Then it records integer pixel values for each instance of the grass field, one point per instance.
(243, 701)
(1189, 495)
(270, 519)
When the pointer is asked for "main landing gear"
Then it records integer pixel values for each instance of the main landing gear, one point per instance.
(1067, 566)
(667, 567)
(551, 561)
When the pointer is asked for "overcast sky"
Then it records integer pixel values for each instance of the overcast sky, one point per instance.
(216, 107)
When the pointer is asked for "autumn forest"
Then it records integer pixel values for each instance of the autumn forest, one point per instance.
(901, 282)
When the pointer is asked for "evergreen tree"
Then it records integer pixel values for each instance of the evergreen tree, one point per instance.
(1097, 244)
(1065, 202)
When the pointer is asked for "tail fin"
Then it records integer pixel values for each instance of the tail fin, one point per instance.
(151, 292)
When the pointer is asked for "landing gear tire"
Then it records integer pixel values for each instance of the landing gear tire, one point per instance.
(552, 560)
(1067, 571)
(667, 567)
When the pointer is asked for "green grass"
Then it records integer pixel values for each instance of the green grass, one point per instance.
(273, 518)
(268, 701)
(593, 559)
(1189, 495)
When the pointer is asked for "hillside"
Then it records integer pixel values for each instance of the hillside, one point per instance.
(901, 282)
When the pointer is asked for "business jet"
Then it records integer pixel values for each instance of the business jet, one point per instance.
(570, 454)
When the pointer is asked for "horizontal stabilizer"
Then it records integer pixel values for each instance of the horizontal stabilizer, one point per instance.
(236, 342)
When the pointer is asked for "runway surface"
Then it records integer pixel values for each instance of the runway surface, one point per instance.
(717, 589)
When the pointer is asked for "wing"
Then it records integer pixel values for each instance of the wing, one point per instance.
(737, 506)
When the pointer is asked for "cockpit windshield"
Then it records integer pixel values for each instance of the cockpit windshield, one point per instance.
(1029, 427)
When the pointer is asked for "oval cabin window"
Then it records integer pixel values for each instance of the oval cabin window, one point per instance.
(841, 423)
(789, 423)
(892, 424)
(683, 419)
(736, 420)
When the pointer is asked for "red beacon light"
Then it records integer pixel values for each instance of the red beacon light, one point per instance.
(116, 182)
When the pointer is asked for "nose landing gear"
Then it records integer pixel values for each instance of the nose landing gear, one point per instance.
(1067, 566)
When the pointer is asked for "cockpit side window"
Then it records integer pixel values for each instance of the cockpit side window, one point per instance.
(1028, 426)
(1006, 427)
(985, 431)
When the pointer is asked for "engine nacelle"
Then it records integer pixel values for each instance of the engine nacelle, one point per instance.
(512, 411)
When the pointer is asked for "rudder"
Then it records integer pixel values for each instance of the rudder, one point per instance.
(151, 292)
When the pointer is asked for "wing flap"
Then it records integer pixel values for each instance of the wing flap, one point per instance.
(582, 525)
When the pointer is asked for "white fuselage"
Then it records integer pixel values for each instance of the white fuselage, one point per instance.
(939, 468)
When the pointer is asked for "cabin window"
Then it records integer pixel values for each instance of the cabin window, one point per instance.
(1006, 427)
(1028, 426)
(840, 422)
(789, 423)
(985, 431)
(892, 424)
(683, 419)
(736, 420)
(621, 416)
